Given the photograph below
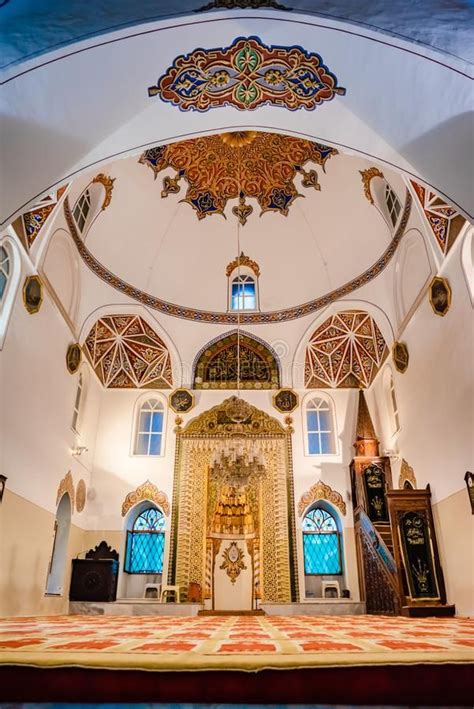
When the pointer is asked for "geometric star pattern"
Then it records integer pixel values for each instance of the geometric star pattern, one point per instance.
(127, 354)
(444, 220)
(347, 350)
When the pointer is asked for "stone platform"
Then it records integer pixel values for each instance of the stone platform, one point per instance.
(134, 606)
(318, 606)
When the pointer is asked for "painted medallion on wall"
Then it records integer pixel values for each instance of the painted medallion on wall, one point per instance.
(228, 166)
(33, 294)
(440, 295)
(285, 401)
(80, 495)
(181, 401)
(400, 356)
(246, 75)
(73, 357)
(233, 561)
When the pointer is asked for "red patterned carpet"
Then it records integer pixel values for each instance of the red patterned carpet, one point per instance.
(258, 644)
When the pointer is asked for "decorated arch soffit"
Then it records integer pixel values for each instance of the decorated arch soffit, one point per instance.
(320, 491)
(216, 366)
(236, 166)
(146, 491)
(216, 422)
(66, 485)
(347, 350)
(247, 74)
(126, 353)
(219, 318)
(444, 220)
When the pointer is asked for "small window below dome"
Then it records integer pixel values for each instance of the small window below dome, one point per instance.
(82, 209)
(149, 432)
(244, 293)
(393, 204)
(320, 427)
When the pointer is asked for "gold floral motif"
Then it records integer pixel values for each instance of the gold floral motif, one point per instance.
(215, 422)
(321, 491)
(367, 177)
(147, 491)
(406, 474)
(242, 260)
(233, 562)
(66, 485)
(108, 183)
(80, 495)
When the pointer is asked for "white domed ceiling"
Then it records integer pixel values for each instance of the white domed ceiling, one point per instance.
(298, 209)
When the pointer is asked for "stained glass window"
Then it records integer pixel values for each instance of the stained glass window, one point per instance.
(4, 270)
(146, 543)
(244, 294)
(319, 427)
(149, 429)
(321, 544)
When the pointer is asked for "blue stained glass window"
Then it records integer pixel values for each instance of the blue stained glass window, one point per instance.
(146, 543)
(244, 294)
(321, 545)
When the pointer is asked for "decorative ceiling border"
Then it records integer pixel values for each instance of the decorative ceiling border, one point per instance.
(320, 491)
(219, 318)
(146, 491)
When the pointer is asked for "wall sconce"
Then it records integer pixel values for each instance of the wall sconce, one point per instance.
(79, 450)
(3, 482)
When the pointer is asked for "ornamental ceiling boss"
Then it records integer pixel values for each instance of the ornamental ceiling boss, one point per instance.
(238, 165)
(247, 74)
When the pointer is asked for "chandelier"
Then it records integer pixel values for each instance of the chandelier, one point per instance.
(236, 461)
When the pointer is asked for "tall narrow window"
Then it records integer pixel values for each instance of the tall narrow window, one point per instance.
(77, 404)
(320, 427)
(82, 209)
(149, 428)
(5, 271)
(146, 543)
(393, 401)
(58, 561)
(393, 204)
(244, 295)
(321, 543)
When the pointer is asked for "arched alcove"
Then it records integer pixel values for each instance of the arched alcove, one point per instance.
(59, 556)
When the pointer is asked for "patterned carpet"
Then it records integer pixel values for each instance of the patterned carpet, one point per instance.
(242, 643)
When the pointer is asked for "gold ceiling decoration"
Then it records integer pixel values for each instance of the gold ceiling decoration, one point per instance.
(108, 184)
(147, 491)
(242, 260)
(321, 491)
(367, 177)
(237, 166)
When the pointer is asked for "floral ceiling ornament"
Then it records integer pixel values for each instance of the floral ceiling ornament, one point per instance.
(321, 491)
(66, 486)
(242, 260)
(367, 177)
(219, 168)
(444, 220)
(126, 353)
(108, 183)
(147, 491)
(347, 350)
(246, 75)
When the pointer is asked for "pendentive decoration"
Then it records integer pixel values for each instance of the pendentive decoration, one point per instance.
(80, 495)
(321, 491)
(73, 357)
(407, 476)
(242, 260)
(440, 295)
(347, 350)
(108, 183)
(444, 220)
(147, 491)
(66, 485)
(233, 561)
(228, 166)
(33, 294)
(400, 356)
(181, 401)
(126, 353)
(285, 401)
(246, 75)
(29, 225)
(367, 177)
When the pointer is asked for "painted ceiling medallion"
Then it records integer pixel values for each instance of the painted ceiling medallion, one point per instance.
(233, 561)
(219, 168)
(400, 356)
(445, 221)
(440, 295)
(126, 353)
(347, 350)
(247, 74)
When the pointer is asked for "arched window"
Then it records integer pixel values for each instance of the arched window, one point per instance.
(244, 293)
(321, 543)
(77, 404)
(82, 209)
(149, 432)
(320, 427)
(146, 543)
(57, 564)
(393, 204)
(5, 270)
